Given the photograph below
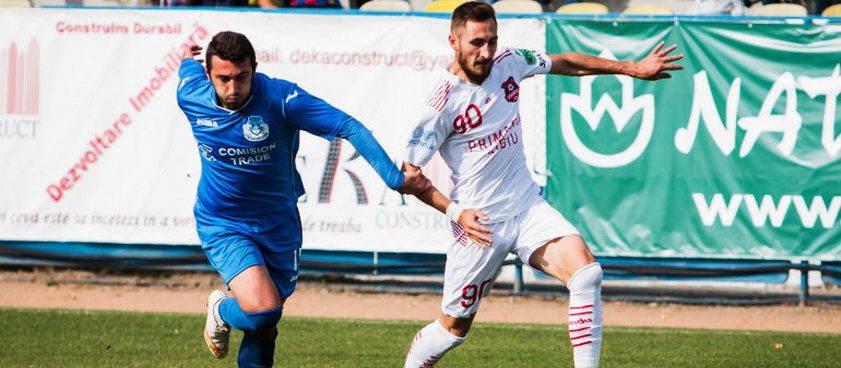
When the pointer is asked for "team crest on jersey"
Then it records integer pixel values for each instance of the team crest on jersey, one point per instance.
(255, 129)
(512, 90)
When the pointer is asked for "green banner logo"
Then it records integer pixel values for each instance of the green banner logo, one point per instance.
(736, 156)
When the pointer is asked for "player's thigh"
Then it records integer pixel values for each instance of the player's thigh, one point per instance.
(562, 257)
(281, 250)
(470, 272)
(550, 244)
(240, 262)
(283, 265)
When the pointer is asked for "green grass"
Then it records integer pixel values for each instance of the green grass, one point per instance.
(51, 338)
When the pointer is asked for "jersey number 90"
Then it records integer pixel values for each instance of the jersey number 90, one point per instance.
(471, 119)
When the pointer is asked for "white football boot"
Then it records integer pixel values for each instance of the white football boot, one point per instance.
(216, 332)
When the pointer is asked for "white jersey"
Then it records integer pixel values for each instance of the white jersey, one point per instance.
(478, 132)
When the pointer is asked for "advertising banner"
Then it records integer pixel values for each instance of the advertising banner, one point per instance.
(95, 148)
(738, 155)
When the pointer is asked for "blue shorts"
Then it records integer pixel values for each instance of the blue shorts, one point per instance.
(232, 250)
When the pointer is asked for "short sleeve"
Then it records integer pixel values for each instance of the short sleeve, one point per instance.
(530, 62)
(426, 138)
(312, 114)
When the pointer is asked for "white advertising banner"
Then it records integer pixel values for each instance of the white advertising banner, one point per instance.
(95, 149)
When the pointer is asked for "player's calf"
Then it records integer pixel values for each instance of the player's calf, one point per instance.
(585, 315)
(230, 311)
(430, 344)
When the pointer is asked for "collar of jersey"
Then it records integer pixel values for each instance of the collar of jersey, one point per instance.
(456, 79)
(231, 112)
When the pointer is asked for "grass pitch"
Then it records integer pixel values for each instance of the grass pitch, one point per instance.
(54, 338)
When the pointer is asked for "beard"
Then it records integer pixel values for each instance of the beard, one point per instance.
(475, 71)
(233, 102)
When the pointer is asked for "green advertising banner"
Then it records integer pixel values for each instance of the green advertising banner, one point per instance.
(737, 156)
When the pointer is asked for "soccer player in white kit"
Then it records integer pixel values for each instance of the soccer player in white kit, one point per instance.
(472, 118)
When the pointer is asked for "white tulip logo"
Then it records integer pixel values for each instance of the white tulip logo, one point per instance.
(620, 115)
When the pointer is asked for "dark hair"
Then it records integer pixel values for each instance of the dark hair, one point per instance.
(230, 46)
(474, 11)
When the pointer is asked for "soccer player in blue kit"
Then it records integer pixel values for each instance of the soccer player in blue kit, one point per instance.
(247, 128)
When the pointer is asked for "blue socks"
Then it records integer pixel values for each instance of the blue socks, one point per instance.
(256, 353)
(253, 352)
(248, 321)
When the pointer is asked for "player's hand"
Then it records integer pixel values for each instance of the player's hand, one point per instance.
(657, 63)
(414, 183)
(469, 221)
(191, 52)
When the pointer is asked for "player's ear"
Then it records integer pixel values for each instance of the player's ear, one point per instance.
(453, 41)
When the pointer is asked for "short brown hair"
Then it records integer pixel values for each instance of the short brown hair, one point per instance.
(230, 46)
(474, 11)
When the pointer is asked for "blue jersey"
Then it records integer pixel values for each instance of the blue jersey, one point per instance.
(249, 180)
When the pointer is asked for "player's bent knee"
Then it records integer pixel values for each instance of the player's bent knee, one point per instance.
(459, 332)
(264, 320)
(586, 278)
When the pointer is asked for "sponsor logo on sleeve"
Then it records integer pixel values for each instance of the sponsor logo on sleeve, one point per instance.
(529, 55)
(424, 139)
(541, 60)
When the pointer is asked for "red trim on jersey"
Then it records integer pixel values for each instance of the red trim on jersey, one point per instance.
(503, 55)
(580, 329)
(583, 306)
(580, 314)
(439, 99)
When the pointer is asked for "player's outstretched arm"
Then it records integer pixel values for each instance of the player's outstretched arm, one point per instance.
(655, 66)
(373, 152)
(414, 183)
(314, 115)
(467, 218)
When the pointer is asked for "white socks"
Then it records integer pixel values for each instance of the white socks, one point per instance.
(430, 344)
(585, 325)
(585, 315)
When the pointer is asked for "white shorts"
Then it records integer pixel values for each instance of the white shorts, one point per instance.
(470, 270)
